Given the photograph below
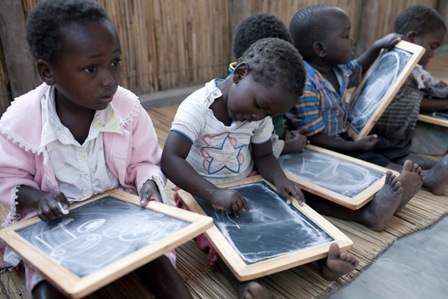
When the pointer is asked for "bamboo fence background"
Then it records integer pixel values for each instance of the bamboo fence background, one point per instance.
(175, 43)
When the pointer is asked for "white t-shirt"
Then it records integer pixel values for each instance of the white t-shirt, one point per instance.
(219, 153)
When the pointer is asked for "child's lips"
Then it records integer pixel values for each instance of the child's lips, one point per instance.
(106, 98)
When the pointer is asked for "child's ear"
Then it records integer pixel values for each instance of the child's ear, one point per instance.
(319, 50)
(45, 73)
(241, 70)
(410, 36)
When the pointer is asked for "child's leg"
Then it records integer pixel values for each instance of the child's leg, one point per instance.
(435, 172)
(45, 290)
(375, 215)
(246, 290)
(162, 279)
(337, 263)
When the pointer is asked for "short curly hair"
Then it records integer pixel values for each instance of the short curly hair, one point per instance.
(310, 24)
(419, 18)
(255, 27)
(272, 60)
(45, 22)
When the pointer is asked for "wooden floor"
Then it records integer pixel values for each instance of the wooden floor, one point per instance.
(302, 282)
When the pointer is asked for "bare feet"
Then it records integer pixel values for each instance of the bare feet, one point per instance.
(338, 263)
(253, 289)
(411, 179)
(380, 210)
(247, 289)
(436, 178)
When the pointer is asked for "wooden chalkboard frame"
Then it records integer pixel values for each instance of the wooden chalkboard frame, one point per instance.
(416, 52)
(433, 120)
(244, 271)
(353, 203)
(75, 287)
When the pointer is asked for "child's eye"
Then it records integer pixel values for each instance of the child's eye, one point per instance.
(116, 62)
(90, 69)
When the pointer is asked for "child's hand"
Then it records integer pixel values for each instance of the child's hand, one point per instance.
(388, 41)
(287, 188)
(149, 192)
(366, 143)
(295, 141)
(48, 205)
(230, 201)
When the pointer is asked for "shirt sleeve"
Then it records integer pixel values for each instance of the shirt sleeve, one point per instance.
(189, 119)
(263, 132)
(307, 110)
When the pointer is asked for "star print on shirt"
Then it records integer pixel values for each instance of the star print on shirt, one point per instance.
(221, 153)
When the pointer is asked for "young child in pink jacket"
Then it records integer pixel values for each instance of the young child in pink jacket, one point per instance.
(79, 133)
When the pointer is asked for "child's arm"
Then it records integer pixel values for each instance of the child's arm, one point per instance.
(345, 146)
(46, 203)
(180, 172)
(433, 104)
(269, 168)
(369, 56)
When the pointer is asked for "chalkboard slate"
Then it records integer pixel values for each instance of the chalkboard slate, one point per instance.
(342, 179)
(272, 237)
(380, 85)
(101, 240)
(439, 118)
(99, 233)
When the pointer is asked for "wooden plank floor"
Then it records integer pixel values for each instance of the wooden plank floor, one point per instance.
(302, 282)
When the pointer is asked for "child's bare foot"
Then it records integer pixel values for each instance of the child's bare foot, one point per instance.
(253, 289)
(380, 210)
(436, 178)
(411, 179)
(246, 290)
(338, 263)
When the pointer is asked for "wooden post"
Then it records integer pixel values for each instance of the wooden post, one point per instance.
(18, 61)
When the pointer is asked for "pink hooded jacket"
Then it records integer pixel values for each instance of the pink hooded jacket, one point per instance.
(133, 157)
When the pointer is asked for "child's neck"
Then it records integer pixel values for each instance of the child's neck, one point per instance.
(219, 106)
(327, 72)
(78, 121)
(321, 67)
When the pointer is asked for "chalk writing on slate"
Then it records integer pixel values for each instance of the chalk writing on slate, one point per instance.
(272, 228)
(99, 233)
(368, 97)
(330, 172)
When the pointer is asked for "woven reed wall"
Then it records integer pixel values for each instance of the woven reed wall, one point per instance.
(174, 43)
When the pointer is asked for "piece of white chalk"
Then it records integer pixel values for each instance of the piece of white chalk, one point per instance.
(64, 211)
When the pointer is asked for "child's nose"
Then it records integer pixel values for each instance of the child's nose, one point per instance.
(108, 78)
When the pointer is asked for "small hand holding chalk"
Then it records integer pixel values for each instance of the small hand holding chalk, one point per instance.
(64, 211)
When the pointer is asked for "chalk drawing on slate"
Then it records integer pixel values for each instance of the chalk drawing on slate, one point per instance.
(380, 85)
(332, 173)
(272, 228)
(272, 237)
(91, 237)
(345, 180)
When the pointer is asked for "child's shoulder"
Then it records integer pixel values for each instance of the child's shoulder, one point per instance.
(26, 107)
(126, 104)
(204, 96)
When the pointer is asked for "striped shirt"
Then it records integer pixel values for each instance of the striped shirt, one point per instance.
(321, 107)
